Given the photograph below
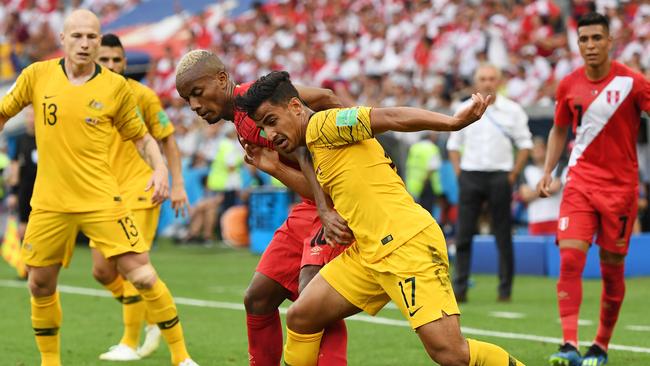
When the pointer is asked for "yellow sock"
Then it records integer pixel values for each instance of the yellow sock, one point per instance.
(487, 354)
(302, 349)
(46, 320)
(162, 311)
(133, 309)
(116, 288)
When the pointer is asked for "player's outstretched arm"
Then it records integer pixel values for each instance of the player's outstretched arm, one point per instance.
(407, 119)
(150, 153)
(180, 203)
(336, 230)
(556, 141)
(318, 99)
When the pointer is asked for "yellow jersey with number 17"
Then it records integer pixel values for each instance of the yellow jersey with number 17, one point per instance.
(131, 171)
(74, 127)
(360, 178)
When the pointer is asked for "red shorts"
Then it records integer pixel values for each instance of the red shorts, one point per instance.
(291, 249)
(607, 214)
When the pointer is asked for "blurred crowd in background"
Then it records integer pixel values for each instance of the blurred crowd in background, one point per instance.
(370, 52)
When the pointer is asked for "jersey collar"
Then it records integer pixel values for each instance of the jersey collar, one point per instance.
(98, 69)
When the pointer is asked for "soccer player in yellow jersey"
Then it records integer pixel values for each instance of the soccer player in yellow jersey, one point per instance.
(78, 105)
(132, 174)
(400, 253)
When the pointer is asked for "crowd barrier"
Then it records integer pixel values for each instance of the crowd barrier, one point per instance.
(269, 207)
(539, 255)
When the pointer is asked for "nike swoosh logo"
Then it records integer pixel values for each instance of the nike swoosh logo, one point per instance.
(49, 96)
(136, 242)
(411, 313)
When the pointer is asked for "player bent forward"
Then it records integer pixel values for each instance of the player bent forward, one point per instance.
(400, 252)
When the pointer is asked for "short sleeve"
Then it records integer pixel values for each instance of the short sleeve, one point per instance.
(339, 127)
(155, 117)
(127, 121)
(563, 114)
(20, 94)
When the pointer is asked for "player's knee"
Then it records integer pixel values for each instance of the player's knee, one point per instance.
(41, 285)
(143, 276)
(104, 275)
(258, 301)
(608, 257)
(572, 261)
(298, 317)
(263, 296)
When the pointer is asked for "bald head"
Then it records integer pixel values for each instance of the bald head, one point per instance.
(196, 64)
(80, 38)
(81, 17)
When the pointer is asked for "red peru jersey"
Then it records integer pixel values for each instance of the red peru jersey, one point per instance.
(605, 116)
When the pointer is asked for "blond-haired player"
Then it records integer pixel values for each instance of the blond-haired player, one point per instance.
(78, 105)
(132, 174)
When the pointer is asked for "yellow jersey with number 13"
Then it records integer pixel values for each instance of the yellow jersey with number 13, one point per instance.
(74, 125)
(360, 178)
(131, 171)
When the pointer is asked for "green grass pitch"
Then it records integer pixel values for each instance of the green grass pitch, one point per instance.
(215, 327)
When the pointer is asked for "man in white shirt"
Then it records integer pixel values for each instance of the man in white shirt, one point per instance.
(486, 172)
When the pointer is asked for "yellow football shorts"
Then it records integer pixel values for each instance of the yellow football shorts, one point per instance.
(50, 236)
(415, 276)
(147, 222)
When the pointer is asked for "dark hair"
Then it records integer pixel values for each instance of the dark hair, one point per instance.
(274, 87)
(111, 40)
(594, 18)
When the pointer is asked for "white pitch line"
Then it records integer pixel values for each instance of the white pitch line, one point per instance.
(507, 315)
(638, 328)
(359, 317)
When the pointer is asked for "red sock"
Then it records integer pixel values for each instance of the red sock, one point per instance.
(334, 345)
(610, 301)
(569, 291)
(264, 339)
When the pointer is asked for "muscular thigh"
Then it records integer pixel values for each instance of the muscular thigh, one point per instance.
(318, 306)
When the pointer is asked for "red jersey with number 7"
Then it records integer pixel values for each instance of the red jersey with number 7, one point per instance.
(605, 116)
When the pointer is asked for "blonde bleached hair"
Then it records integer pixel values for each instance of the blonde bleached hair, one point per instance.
(198, 60)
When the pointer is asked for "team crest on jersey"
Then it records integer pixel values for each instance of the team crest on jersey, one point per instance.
(95, 105)
(613, 96)
(563, 224)
(92, 121)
